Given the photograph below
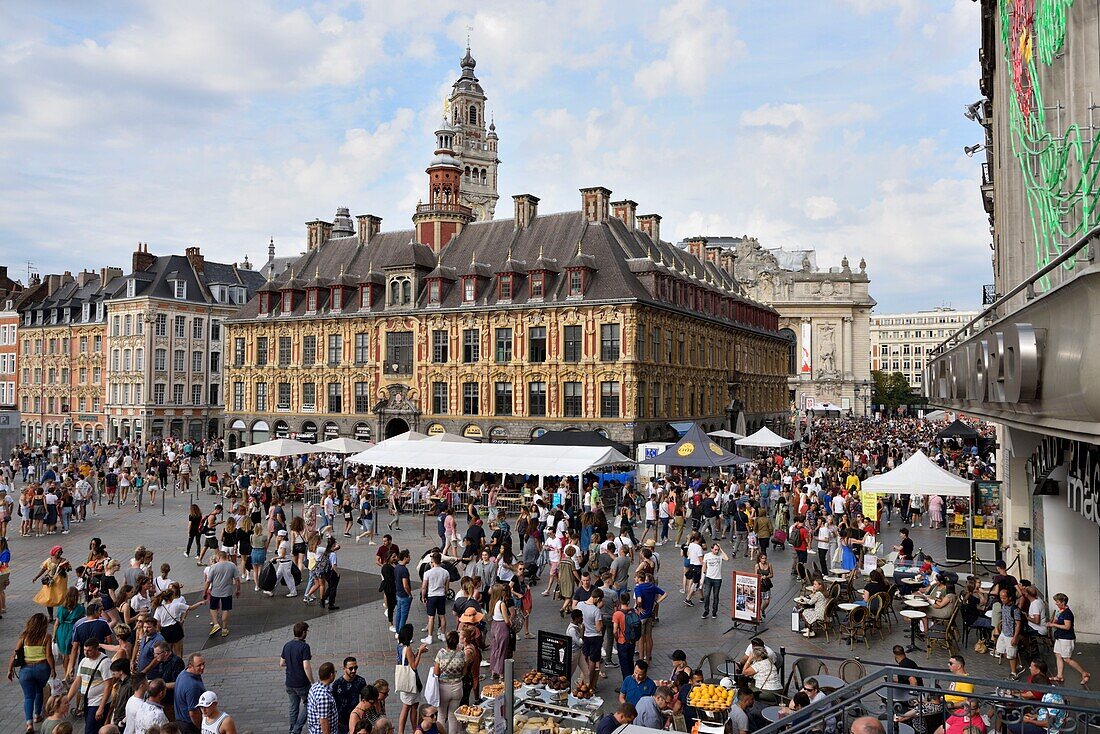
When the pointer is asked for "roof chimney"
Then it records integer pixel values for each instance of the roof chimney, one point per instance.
(594, 202)
(696, 245)
(317, 233)
(84, 276)
(368, 225)
(195, 258)
(142, 260)
(624, 211)
(651, 225)
(106, 275)
(527, 208)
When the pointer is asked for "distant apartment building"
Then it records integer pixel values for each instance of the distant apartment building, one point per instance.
(10, 292)
(900, 342)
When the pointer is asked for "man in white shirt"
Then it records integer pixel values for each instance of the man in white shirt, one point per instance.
(712, 580)
(433, 593)
(694, 572)
(553, 548)
(150, 712)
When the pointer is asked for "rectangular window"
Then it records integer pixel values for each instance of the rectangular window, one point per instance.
(158, 395)
(536, 344)
(177, 394)
(656, 399)
(196, 395)
(198, 330)
(197, 361)
(537, 285)
(505, 288)
(179, 327)
(161, 325)
(215, 331)
(311, 300)
(640, 403)
(362, 351)
(502, 398)
(362, 398)
(238, 351)
(83, 375)
(97, 375)
(115, 327)
(335, 349)
(337, 299)
(309, 350)
(573, 350)
(654, 344)
(469, 289)
(572, 400)
(114, 362)
(214, 395)
(128, 325)
(238, 395)
(471, 345)
(434, 292)
(504, 345)
(399, 352)
(639, 341)
(285, 348)
(576, 282)
(335, 397)
(139, 359)
(261, 396)
(471, 393)
(83, 345)
(179, 360)
(440, 399)
(609, 400)
(440, 346)
(309, 396)
(283, 396)
(536, 398)
(609, 342)
(180, 289)
(261, 351)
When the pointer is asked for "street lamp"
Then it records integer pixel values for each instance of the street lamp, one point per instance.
(863, 392)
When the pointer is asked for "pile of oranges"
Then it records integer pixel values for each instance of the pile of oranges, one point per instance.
(710, 697)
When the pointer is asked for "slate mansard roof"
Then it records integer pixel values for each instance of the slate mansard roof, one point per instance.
(619, 261)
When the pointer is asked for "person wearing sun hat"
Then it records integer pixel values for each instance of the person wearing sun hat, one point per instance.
(55, 580)
(214, 721)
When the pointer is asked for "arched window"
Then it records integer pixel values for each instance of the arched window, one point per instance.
(395, 291)
(466, 174)
(792, 350)
(406, 292)
(473, 114)
(482, 176)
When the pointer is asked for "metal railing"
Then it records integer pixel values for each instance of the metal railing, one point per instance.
(881, 696)
(1027, 284)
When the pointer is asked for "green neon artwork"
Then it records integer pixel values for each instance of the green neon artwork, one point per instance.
(1059, 170)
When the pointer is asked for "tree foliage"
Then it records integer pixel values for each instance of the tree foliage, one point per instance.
(892, 389)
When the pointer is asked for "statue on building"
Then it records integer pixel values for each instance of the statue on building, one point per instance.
(827, 354)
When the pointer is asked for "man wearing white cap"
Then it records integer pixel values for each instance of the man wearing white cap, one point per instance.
(283, 571)
(213, 720)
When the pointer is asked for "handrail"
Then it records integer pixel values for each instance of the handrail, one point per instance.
(882, 685)
(1027, 284)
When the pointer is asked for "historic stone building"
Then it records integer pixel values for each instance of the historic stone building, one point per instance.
(823, 314)
(62, 370)
(164, 344)
(498, 330)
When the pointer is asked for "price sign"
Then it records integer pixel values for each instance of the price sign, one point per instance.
(555, 654)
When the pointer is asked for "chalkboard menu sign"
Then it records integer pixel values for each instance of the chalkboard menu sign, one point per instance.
(555, 654)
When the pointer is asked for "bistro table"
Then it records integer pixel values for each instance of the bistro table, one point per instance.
(828, 683)
(912, 615)
(771, 713)
(834, 579)
(848, 606)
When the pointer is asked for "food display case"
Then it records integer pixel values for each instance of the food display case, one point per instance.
(957, 516)
(987, 522)
(540, 710)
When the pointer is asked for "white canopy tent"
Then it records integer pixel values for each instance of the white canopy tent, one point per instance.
(449, 438)
(765, 439)
(402, 438)
(342, 445)
(277, 447)
(723, 433)
(918, 475)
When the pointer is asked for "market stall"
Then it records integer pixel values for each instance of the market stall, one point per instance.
(920, 475)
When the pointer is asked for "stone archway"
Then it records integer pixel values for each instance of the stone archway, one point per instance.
(396, 426)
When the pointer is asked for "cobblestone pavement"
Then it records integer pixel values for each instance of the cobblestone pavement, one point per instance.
(244, 668)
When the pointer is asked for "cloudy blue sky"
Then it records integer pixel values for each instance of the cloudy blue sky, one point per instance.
(835, 124)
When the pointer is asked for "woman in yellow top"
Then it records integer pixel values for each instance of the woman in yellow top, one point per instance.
(36, 667)
(55, 580)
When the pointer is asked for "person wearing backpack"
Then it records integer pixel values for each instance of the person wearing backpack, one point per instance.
(628, 628)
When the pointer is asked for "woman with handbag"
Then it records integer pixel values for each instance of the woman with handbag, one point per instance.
(764, 570)
(33, 655)
(406, 680)
(171, 609)
(54, 575)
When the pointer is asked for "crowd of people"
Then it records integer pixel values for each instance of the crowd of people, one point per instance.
(110, 643)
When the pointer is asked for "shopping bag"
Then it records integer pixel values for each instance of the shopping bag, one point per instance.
(431, 688)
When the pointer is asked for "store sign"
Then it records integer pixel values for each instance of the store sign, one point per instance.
(498, 432)
(436, 429)
(1001, 366)
(554, 654)
(473, 432)
(1082, 462)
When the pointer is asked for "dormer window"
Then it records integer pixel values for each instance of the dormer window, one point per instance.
(337, 299)
(179, 289)
(364, 297)
(265, 304)
(469, 290)
(576, 282)
(288, 302)
(538, 285)
(505, 287)
(311, 300)
(131, 288)
(400, 291)
(86, 312)
(435, 292)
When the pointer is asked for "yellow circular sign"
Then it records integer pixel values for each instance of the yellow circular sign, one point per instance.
(686, 449)
(716, 449)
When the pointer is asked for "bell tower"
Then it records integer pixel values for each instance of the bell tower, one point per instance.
(445, 213)
(475, 145)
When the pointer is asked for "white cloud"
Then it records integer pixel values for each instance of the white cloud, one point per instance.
(699, 41)
(821, 207)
